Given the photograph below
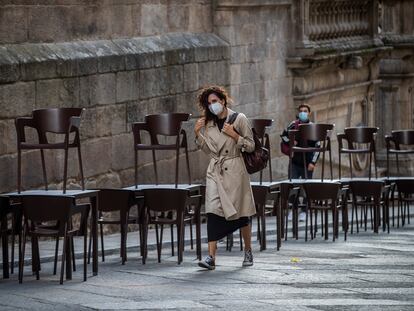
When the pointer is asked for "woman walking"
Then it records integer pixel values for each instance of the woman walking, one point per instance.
(229, 198)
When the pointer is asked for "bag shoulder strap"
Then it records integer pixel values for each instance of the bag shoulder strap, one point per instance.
(233, 118)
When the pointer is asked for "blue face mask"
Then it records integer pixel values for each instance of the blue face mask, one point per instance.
(303, 116)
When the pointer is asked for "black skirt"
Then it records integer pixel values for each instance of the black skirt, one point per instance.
(218, 227)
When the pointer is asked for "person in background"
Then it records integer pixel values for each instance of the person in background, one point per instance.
(229, 198)
(298, 170)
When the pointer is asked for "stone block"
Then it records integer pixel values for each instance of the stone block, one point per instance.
(110, 56)
(200, 18)
(74, 59)
(13, 27)
(227, 33)
(97, 158)
(153, 19)
(238, 54)
(136, 111)
(122, 151)
(127, 86)
(201, 54)
(191, 77)
(17, 99)
(221, 72)
(153, 82)
(176, 79)
(8, 137)
(98, 89)
(57, 93)
(110, 120)
(41, 17)
(109, 180)
(178, 17)
(205, 74)
(36, 61)
(235, 73)
(224, 18)
(8, 168)
(88, 123)
(9, 66)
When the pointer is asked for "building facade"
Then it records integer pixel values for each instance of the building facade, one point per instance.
(351, 60)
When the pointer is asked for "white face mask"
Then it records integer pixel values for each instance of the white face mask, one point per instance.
(215, 108)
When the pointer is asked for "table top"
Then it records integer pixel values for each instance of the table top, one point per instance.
(78, 194)
(139, 188)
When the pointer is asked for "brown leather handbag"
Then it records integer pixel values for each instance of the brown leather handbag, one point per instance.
(257, 160)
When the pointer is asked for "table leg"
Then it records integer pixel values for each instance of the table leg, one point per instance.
(198, 234)
(68, 259)
(278, 223)
(94, 228)
(5, 248)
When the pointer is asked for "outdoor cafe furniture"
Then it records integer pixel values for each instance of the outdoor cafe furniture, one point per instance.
(405, 188)
(321, 196)
(360, 140)
(157, 203)
(310, 132)
(91, 195)
(394, 142)
(260, 126)
(61, 121)
(166, 125)
(367, 194)
(38, 209)
(119, 202)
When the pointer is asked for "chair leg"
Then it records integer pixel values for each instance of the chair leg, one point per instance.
(136, 167)
(158, 243)
(370, 165)
(81, 166)
(270, 167)
(102, 242)
(21, 259)
(42, 155)
(19, 170)
(339, 164)
(65, 170)
(177, 162)
(191, 234)
(330, 161)
(375, 164)
(188, 165)
(350, 165)
(72, 244)
(62, 270)
(56, 256)
(172, 240)
(154, 162)
(85, 265)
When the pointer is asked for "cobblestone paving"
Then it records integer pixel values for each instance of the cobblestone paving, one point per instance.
(368, 272)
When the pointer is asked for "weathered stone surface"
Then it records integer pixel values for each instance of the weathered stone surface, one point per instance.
(97, 156)
(13, 27)
(153, 19)
(127, 86)
(98, 90)
(8, 137)
(17, 99)
(110, 120)
(123, 151)
(57, 93)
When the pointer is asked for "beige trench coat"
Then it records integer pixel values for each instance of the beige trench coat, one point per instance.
(228, 190)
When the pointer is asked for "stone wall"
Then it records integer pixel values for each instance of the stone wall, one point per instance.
(260, 35)
(118, 82)
(124, 59)
(37, 21)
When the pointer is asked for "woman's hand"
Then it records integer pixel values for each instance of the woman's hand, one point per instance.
(200, 123)
(228, 129)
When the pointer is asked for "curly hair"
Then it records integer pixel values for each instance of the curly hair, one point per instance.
(202, 100)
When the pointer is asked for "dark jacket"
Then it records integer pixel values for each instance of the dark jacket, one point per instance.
(311, 157)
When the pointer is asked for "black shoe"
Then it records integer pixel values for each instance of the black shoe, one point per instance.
(207, 263)
(248, 259)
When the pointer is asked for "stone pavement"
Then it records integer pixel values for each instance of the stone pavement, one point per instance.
(368, 272)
